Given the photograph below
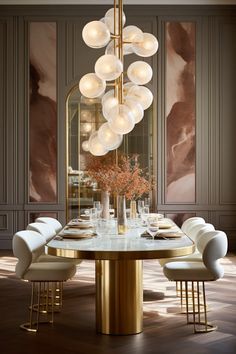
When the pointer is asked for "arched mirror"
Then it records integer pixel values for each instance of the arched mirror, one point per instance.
(83, 117)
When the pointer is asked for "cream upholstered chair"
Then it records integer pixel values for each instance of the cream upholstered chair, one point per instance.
(44, 276)
(48, 232)
(213, 246)
(186, 224)
(50, 221)
(197, 231)
(44, 229)
(195, 227)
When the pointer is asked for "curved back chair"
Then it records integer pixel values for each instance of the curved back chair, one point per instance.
(50, 221)
(193, 229)
(44, 276)
(46, 230)
(213, 247)
(189, 221)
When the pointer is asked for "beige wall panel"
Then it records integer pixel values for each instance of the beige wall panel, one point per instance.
(227, 113)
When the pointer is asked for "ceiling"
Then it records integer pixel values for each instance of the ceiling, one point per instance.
(126, 2)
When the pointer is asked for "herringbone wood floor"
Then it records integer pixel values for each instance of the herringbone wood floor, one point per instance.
(165, 329)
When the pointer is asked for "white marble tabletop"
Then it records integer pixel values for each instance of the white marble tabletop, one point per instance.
(129, 246)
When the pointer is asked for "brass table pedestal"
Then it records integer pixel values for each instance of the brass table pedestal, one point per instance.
(119, 296)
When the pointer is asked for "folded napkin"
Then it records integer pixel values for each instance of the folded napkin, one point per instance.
(77, 234)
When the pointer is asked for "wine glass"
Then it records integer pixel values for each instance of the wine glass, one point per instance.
(152, 226)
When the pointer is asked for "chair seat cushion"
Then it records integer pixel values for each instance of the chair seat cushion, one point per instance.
(49, 258)
(194, 257)
(50, 271)
(187, 271)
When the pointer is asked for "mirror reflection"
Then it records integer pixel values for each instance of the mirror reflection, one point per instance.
(84, 116)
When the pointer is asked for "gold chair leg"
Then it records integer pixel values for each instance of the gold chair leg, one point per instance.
(200, 326)
(47, 298)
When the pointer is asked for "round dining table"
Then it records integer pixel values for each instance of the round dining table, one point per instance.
(119, 272)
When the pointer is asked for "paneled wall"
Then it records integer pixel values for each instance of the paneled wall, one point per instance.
(215, 107)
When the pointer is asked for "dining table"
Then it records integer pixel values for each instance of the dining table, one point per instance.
(119, 268)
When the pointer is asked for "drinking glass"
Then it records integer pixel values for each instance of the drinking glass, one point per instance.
(97, 205)
(93, 215)
(152, 226)
(101, 227)
(147, 202)
(144, 214)
(140, 206)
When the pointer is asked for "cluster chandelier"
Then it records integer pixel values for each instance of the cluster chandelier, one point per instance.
(124, 104)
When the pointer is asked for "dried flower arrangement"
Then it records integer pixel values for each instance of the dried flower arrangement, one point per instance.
(124, 177)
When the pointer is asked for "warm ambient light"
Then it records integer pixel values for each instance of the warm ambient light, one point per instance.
(123, 105)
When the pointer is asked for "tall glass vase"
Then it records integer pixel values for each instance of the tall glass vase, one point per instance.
(121, 215)
(105, 201)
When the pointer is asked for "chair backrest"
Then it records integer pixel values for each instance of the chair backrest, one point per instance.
(194, 228)
(213, 246)
(26, 245)
(45, 230)
(50, 221)
(200, 233)
(189, 221)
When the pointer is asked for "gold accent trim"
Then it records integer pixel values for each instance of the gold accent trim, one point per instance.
(120, 255)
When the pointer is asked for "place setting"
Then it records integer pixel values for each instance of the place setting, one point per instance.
(155, 227)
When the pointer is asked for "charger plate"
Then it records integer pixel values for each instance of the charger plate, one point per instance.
(79, 225)
(164, 226)
(170, 235)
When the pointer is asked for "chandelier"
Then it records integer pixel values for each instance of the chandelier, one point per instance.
(124, 103)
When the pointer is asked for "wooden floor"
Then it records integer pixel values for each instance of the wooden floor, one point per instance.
(165, 329)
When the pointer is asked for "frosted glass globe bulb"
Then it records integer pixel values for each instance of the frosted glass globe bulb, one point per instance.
(96, 34)
(139, 72)
(109, 19)
(91, 85)
(85, 145)
(136, 109)
(108, 102)
(121, 119)
(108, 67)
(108, 138)
(142, 95)
(131, 34)
(95, 146)
(147, 47)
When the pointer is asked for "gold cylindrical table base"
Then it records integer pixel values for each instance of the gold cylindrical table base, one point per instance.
(119, 296)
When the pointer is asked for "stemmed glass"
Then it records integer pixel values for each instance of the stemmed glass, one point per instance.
(152, 226)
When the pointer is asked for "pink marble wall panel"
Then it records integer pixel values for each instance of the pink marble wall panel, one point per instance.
(180, 112)
(42, 113)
